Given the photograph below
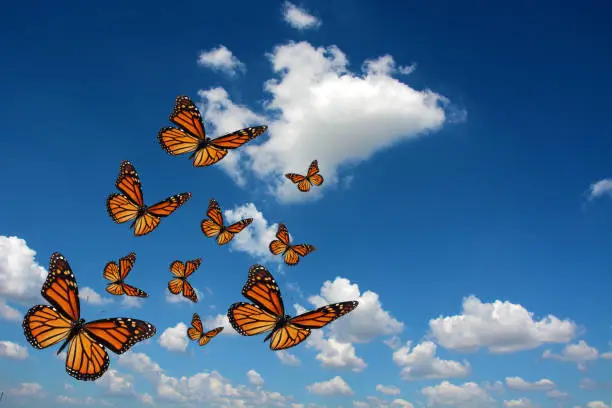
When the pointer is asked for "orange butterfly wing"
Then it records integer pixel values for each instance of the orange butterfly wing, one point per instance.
(292, 256)
(192, 266)
(86, 359)
(228, 233)
(209, 335)
(175, 286)
(60, 288)
(128, 182)
(322, 316)
(195, 332)
(186, 115)
(169, 205)
(249, 319)
(44, 326)
(280, 245)
(262, 289)
(217, 148)
(288, 336)
(189, 292)
(130, 290)
(214, 225)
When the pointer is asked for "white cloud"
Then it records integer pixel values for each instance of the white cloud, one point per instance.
(468, 395)
(21, 277)
(393, 342)
(598, 404)
(368, 321)
(254, 239)
(558, 394)
(333, 387)
(518, 384)
(220, 320)
(319, 109)
(334, 353)
(502, 327)
(287, 358)
(12, 350)
(221, 59)
(421, 363)
(255, 378)
(299, 18)
(28, 389)
(175, 338)
(600, 188)
(385, 66)
(579, 353)
(87, 294)
(375, 402)
(132, 302)
(226, 116)
(9, 313)
(519, 403)
(388, 389)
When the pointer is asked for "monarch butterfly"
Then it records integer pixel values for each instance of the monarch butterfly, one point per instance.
(268, 313)
(282, 245)
(130, 205)
(182, 271)
(45, 325)
(117, 274)
(312, 177)
(214, 226)
(190, 137)
(196, 332)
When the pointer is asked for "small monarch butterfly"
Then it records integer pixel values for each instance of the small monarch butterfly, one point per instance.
(45, 325)
(190, 137)
(182, 271)
(214, 227)
(196, 332)
(267, 313)
(117, 274)
(312, 177)
(130, 205)
(282, 245)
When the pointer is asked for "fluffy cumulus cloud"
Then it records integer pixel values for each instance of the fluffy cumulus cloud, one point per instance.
(219, 320)
(255, 378)
(299, 18)
(597, 404)
(255, 238)
(421, 362)
(600, 188)
(9, 313)
(580, 354)
(388, 389)
(333, 387)
(12, 350)
(221, 59)
(501, 327)
(375, 402)
(287, 358)
(175, 338)
(367, 322)
(320, 109)
(518, 384)
(468, 395)
(88, 295)
(335, 354)
(21, 276)
(519, 403)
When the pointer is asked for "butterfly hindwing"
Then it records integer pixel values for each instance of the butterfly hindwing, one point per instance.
(44, 326)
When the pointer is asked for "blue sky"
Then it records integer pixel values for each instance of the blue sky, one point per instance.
(467, 203)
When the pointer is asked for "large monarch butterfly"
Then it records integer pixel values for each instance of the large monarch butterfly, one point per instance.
(130, 205)
(117, 274)
(312, 177)
(196, 332)
(214, 227)
(268, 313)
(190, 137)
(182, 271)
(45, 325)
(282, 245)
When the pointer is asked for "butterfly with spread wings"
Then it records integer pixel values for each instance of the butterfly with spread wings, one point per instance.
(312, 177)
(196, 332)
(282, 245)
(190, 136)
(116, 273)
(130, 204)
(45, 325)
(182, 271)
(267, 313)
(214, 227)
